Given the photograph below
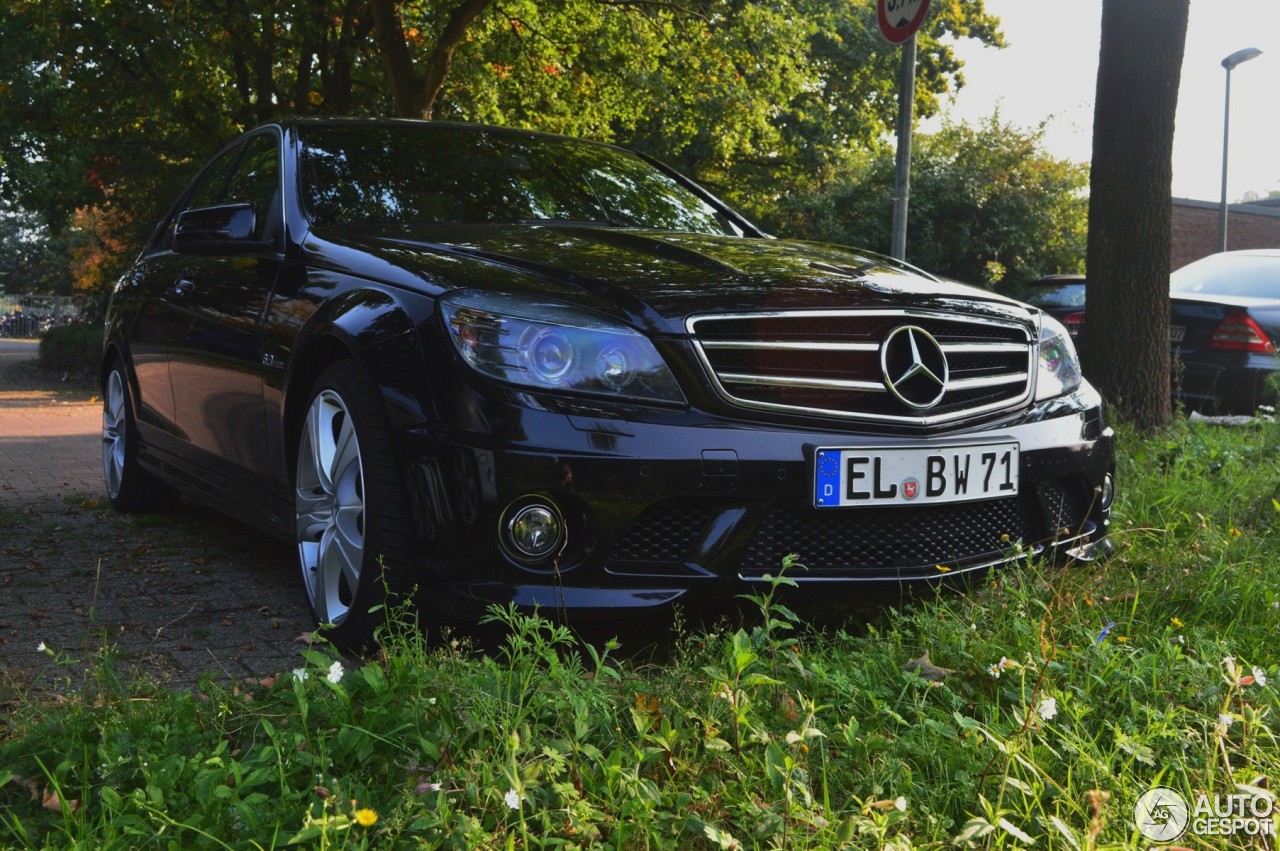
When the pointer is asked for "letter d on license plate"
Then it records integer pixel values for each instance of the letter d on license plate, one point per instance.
(915, 475)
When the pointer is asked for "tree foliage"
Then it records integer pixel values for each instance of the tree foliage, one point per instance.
(114, 103)
(31, 259)
(988, 204)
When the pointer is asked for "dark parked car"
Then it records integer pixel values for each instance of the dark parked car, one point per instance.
(1060, 296)
(501, 366)
(1224, 323)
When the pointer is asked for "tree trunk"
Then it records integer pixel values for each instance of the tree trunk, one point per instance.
(1125, 341)
(406, 88)
(415, 96)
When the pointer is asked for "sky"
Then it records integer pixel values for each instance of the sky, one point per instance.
(1048, 72)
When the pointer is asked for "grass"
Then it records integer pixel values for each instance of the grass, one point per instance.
(1053, 698)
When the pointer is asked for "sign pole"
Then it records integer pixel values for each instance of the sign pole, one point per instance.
(902, 180)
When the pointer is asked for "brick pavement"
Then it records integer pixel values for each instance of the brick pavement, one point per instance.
(173, 596)
(48, 448)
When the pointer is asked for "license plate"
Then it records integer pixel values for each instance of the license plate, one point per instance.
(1176, 333)
(915, 476)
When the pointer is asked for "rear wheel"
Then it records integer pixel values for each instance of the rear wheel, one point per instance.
(129, 487)
(350, 507)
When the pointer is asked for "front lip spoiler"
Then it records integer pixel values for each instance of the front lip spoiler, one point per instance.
(1084, 550)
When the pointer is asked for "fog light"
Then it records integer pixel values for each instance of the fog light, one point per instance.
(1108, 491)
(533, 532)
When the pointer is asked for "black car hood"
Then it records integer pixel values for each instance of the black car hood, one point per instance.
(652, 279)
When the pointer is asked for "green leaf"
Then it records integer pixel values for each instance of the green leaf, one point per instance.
(1067, 833)
(1015, 832)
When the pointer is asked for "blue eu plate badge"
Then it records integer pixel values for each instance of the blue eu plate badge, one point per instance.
(828, 478)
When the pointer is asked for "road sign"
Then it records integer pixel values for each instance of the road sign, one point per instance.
(899, 19)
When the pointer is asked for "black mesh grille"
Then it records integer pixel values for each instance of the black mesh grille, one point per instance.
(885, 542)
(1067, 505)
(662, 534)
(744, 354)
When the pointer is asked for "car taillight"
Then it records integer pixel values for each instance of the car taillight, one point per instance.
(1237, 331)
(1074, 322)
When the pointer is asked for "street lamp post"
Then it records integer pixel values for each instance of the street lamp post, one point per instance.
(1230, 62)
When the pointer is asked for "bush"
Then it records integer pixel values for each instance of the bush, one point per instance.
(76, 349)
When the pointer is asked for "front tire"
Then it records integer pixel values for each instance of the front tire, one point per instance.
(351, 516)
(130, 488)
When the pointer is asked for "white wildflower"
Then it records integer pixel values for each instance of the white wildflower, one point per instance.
(335, 672)
(1047, 708)
(513, 799)
(994, 671)
(40, 648)
(1225, 720)
(300, 674)
(1259, 676)
(900, 804)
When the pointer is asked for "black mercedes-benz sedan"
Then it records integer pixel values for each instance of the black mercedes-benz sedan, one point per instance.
(1223, 325)
(508, 367)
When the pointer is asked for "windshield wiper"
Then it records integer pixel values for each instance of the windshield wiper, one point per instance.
(597, 223)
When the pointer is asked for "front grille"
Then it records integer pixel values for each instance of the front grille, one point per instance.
(662, 534)
(828, 363)
(881, 543)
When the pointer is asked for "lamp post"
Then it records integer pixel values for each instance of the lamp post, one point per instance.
(1230, 62)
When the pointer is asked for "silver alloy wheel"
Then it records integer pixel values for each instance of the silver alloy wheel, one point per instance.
(329, 507)
(114, 434)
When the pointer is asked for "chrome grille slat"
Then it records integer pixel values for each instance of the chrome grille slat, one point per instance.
(801, 381)
(976, 383)
(827, 363)
(785, 345)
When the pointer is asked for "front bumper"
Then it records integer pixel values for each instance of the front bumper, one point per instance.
(1226, 382)
(689, 506)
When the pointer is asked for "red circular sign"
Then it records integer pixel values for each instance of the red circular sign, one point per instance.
(899, 19)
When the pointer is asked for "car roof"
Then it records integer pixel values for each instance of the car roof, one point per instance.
(1055, 280)
(304, 121)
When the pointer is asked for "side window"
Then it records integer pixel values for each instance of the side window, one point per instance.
(257, 181)
(207, 192)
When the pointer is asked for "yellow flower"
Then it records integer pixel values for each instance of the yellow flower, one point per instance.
(942, 568)
(366, 817)
(1235, 531)
(1176, 622)
(1123, 639)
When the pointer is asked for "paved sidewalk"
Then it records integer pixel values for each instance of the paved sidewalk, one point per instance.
(48, 448)
(174, 596)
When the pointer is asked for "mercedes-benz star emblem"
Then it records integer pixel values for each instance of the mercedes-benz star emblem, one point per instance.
(914, 367)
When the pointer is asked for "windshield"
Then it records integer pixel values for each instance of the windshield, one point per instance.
(1057, 295)
(436, 173)
(1254, 275)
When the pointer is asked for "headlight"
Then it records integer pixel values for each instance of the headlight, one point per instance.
(551, 346)
(1059, 370)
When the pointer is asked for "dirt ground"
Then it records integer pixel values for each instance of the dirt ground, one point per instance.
(172, 596)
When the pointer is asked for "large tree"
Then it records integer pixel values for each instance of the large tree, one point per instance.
(1125, 340)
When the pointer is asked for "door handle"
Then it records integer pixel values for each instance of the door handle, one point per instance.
(183, 287)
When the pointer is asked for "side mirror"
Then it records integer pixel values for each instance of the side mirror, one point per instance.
(227, 229)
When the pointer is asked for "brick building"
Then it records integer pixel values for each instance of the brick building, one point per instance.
(1195, 228)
